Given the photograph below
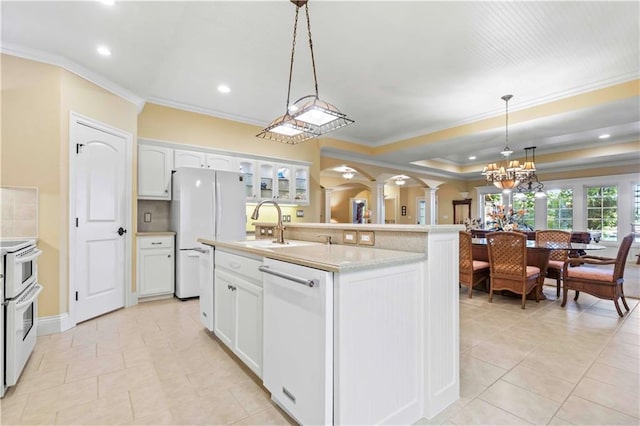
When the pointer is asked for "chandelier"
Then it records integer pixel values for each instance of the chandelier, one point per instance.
(309, 116)
(504, 174)
(347, 172)
(400, 179)
(528, 179)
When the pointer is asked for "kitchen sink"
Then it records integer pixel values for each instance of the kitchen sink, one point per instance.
(268, 243)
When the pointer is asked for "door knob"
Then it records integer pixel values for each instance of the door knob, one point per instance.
(121, 231)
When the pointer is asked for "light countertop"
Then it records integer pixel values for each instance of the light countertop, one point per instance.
(332, 258)
(155, 233)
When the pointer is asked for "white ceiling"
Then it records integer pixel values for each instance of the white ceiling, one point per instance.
(399, 69)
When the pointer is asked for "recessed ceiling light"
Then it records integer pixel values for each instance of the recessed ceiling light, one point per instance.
(473, 157)
(605, 136)
(108, 2)
(223, 88)
(104, 51)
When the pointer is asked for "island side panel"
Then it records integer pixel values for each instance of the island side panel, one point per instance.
(377, 353)
(442, 324)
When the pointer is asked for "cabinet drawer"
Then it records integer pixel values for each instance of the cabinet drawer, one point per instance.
(239, 265)
(155, 242)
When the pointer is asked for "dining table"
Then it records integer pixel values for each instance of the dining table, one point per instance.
(537, 255)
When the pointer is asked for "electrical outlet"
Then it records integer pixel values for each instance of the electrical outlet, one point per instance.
(366, 238)
(349, 237)
(147, 217)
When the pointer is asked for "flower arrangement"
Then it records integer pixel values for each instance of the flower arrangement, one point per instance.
(505, 219)
(475, 223)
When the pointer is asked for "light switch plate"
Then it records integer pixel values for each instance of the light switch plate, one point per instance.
(349, 237)
(366, 238)
(147, 217)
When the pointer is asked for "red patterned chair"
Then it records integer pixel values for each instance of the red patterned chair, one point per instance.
(509, 270)
(602, 283)
(556, 257)
(472, 272)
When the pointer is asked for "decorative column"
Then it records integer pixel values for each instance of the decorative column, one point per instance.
(432, 206)
(327, 204)
(377, 202)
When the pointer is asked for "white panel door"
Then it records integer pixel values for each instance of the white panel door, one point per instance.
(100, 210)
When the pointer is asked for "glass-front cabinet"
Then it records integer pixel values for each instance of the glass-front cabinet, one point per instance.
(283, 178)
(248, 170)
(267, 176)
(301, 183)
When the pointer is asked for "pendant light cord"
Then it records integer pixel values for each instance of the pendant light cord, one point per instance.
(293, 51)
(313, 60)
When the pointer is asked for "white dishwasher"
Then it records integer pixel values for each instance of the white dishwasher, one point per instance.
(298, 340)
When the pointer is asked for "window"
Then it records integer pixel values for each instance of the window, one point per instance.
(602, 211)
(491, 201)
(560, 209)
(525, 202)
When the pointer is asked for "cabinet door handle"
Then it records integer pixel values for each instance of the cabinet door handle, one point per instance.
(155, 244)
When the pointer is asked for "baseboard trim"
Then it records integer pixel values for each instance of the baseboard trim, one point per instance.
(54, 324)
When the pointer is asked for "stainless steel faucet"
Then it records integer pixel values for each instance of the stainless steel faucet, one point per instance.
(279, 226)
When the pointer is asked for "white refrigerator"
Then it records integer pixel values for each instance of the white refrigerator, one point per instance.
(206, 204)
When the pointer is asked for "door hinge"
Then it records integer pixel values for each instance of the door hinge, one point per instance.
(76, 222)
(76, 296)
(79, 147)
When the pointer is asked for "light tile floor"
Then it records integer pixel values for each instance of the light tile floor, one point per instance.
(155, 364)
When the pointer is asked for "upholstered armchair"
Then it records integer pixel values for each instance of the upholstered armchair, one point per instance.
(598, 282)
(509, 269)
(556, 257)
(472, 272)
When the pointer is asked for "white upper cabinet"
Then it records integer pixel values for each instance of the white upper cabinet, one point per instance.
(264, 178)
(221, 162)
(154, 172)
(183, 158)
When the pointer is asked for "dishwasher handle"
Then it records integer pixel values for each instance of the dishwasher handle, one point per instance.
(303, 281)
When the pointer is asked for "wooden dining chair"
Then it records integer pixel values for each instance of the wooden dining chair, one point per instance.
(598, 282)
(471, 272)
(556, 257)
(508, 265)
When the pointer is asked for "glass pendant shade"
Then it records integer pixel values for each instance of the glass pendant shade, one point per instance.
(312, 119)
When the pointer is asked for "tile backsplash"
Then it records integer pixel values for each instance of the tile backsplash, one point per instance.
(159, 212)
(19, 218)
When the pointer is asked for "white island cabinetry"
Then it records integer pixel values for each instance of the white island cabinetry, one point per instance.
(373, 338)
(238, 306)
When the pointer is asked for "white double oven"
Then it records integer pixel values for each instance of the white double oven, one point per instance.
(20, 290)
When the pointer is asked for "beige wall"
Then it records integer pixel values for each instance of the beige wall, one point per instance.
(36, 102)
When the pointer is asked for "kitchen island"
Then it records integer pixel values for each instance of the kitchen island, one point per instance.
(362, 335)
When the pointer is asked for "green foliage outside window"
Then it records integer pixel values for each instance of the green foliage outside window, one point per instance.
(560, 209)
(602, 211)
(527, 202)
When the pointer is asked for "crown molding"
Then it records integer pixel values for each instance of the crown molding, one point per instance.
(205, 111)
(75, 68)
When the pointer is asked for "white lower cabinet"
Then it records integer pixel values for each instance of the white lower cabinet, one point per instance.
(238, 307)
(156, 265)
